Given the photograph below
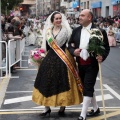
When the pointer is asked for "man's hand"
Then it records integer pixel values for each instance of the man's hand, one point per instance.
(99, 58)
(77, 52)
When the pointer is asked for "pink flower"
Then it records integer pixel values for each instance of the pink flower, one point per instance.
(36, 57)
(42, 51)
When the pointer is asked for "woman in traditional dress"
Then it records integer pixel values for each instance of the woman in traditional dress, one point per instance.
(31, 36)
(39, 35)
(57, 80)
(111, 37)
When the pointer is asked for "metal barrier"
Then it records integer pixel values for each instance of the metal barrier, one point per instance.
(6, 60)
(22, 49)
(15, 50)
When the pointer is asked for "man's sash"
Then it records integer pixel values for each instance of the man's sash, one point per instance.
(65, 59)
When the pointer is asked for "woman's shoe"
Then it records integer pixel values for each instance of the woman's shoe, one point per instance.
(81, 118)
(61, 112)
(45, 113)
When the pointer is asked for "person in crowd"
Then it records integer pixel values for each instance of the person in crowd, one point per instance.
(88, 69)
(31, 35)
(102, 26)
(14, 30)
(111, 36)
(3, 23)
(10, 30)
(116, 20)
(22, 24)
(17, 29)
(26, 32)
(55, 84)
(75, 23)
(39, 35)
(114, 27)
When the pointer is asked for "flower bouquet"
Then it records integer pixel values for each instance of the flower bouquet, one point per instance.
(96, 44)
(36, 56)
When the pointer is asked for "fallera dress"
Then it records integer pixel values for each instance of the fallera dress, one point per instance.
(55, 85)
(111, 38)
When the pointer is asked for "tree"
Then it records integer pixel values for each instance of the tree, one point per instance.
(9, 4)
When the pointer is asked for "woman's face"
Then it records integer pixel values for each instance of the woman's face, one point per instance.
(57, 20)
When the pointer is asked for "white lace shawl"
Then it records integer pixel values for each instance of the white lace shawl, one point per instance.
(61, 38)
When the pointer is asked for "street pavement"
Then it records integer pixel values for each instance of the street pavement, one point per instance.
(16, 93)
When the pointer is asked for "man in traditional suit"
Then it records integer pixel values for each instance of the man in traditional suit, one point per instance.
(87, 65)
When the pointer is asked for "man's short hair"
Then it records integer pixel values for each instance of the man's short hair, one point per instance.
(91, 14)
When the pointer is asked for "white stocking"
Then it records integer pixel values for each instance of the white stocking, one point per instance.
(46, 109)
(86, 103)
(94, 103)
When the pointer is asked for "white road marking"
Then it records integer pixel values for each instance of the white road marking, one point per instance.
(19, 99)
(29, 98)
(39, 107)
(14, 76)
(112, 91)
(106, 97)
(19, 91)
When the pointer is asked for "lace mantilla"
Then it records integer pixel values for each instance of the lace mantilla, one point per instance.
(62, 37)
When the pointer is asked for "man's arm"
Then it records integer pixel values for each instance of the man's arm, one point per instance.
(71, 43)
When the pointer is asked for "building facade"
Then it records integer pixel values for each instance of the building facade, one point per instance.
(73, 7)
(102, 7)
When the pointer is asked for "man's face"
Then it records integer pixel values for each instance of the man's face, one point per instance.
(84, 18)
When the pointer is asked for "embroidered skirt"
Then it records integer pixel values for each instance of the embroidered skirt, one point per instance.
(55, 85)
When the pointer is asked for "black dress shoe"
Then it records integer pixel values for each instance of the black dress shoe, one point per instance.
(61, 113)
(92, 113)
(81, 118)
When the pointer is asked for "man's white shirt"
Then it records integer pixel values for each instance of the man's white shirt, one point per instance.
(84, 40)
(85, 35)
